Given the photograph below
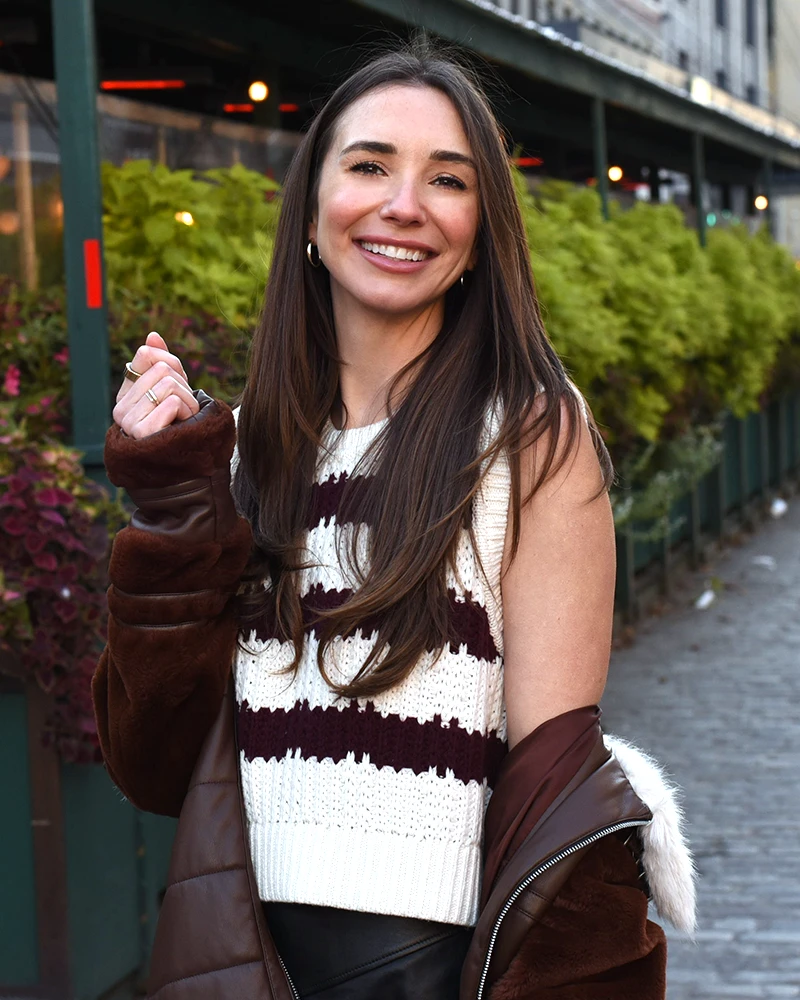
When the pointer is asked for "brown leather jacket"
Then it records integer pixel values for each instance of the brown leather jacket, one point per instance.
(563, 913)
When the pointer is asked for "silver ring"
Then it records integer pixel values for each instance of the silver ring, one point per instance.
(130, 373)
(152, 397)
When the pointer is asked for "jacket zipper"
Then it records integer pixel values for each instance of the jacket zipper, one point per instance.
(523, 885)
(292, 987)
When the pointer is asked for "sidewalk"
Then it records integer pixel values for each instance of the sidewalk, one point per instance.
(715, 695)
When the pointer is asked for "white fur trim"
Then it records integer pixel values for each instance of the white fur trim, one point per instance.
(666, 857)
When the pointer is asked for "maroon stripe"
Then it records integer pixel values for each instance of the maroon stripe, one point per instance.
(389, 741)
(468, 621)
(326, 498)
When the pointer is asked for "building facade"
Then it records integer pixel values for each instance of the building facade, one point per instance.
(785, 99)
(724, 41)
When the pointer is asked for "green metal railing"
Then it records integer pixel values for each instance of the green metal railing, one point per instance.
(760, 454)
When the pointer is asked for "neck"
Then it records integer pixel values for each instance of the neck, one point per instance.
(373, 348)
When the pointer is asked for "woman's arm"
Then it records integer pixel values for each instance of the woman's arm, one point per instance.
(558, 599)
(558, 592)
(172, 632)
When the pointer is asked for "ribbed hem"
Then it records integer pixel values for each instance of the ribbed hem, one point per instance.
(367, 871)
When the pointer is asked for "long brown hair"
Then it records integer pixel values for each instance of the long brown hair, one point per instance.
(492, 350)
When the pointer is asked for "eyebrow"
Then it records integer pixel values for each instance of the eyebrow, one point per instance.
(387, 149)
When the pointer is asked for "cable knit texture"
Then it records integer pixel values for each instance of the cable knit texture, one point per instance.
(376, 804)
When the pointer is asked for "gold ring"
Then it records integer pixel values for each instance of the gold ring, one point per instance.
(130, 373)
(152, 397)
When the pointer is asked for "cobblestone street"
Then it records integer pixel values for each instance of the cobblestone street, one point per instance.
(715, 695)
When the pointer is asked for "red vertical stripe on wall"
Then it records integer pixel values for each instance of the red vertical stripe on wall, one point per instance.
(94, 278)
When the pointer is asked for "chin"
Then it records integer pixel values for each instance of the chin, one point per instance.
(393, 300)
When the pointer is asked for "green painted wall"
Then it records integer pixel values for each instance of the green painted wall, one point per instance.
(19, 962)
(117, 861)
(102, 880)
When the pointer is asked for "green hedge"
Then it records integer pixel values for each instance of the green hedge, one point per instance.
(660, 334)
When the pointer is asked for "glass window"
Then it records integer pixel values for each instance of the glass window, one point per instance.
(750, 21)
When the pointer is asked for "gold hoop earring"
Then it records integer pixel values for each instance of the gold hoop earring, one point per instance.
(310, 248)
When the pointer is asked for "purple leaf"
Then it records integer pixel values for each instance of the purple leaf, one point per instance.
(46, 560)
(15, 525)
(34, 543)
(53, 516)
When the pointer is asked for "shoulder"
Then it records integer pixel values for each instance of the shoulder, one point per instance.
(565, 461)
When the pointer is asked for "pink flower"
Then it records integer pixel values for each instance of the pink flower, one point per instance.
(11, 382)
(62, 357)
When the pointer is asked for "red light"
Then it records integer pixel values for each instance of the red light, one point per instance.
(233, 109)
(93, 272)
(142, 84)
(528, 161)
(288, 107)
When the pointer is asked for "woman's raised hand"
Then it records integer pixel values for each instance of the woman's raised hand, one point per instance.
(159, 396)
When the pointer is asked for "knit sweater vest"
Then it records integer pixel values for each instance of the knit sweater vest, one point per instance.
(376, 804)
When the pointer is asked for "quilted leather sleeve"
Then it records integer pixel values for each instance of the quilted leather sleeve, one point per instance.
(172, 632)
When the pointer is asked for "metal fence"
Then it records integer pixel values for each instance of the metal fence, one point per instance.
(760, 457)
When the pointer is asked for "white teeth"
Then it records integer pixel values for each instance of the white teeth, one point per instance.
(395, 252)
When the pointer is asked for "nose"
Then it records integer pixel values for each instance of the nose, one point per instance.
(404, 205)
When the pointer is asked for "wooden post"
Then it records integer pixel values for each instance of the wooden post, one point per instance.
(161, 145)
(23, 184)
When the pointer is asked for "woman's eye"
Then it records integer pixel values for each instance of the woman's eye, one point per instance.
(448, 180)
(366, 167)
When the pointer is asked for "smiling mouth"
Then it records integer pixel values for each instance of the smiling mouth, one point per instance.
(395, 252)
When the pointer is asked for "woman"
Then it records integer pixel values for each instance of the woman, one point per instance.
(420, 577)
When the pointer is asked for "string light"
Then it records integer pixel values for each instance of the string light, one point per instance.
(761, 202)
(143, 85)
(258, 91)
(615, 173)
(185, 217)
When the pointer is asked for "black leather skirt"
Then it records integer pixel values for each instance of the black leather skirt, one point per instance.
(335, 954)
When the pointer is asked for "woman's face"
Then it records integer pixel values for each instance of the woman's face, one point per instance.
(397, 211)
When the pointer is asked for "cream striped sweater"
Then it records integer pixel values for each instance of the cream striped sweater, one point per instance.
(376, 804)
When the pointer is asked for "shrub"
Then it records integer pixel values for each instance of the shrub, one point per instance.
(218, 264)
(34, 355)
(55, 526)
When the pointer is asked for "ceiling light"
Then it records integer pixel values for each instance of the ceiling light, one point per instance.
(258, 91)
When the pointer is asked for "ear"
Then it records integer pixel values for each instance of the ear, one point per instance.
(312, 230)
(472, 263)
